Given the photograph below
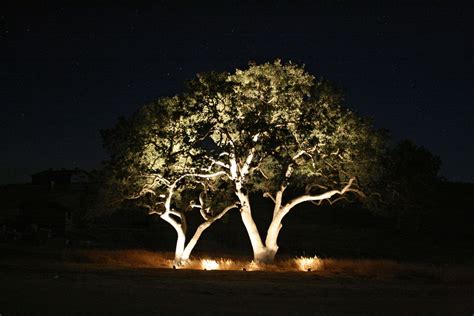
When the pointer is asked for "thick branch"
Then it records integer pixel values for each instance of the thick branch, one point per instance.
(246, 167)
(320, 197)
(182, 219)
(201, 228)
(278, 200)
(233, 168)
(166, 216)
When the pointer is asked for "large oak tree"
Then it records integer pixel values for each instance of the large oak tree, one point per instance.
(271, 128)
(153, 163)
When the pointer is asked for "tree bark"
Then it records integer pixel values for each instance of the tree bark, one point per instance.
(252, 231)
(181, 237)
(262, 253)
(179, 252)
(273, 232)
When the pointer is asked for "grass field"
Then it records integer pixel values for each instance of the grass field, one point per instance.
(138, 282)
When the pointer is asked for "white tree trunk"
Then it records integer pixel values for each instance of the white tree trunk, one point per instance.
(181, 237)
(272, 236)
(263, 253)
(179, 252)
(258, 247)
(271, 247)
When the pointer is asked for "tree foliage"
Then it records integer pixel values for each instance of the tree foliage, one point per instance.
(155, 162)
(269, 128)
(412, 174)
(298, 120)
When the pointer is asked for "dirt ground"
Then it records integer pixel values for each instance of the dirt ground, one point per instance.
(31, 286)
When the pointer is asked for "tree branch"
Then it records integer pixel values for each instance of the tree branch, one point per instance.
(268, 195)
(261, 172)
(192, 242)
(219, 163)
(320, 197)
(246, 167)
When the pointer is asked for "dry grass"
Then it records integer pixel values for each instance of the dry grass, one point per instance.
(127, 258)
(360, 268)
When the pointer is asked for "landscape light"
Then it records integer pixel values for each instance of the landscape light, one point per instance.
(308, 263)
(209, 264)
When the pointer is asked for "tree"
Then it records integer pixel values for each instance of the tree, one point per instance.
(149, 165)
(271, 128)
(412, 173)
(275, 128)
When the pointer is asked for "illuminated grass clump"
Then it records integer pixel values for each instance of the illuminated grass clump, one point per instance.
(309, 263)
(209, 264)
(365, 268)
(296, 264)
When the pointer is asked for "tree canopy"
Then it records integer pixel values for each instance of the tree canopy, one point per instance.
(270, 128)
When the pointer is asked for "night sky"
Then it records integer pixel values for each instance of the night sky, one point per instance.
(68, 71)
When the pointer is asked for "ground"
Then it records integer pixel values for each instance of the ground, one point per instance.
(49, 284)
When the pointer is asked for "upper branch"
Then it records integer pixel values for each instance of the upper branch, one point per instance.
(269, 195)
(248, 161)
(175, 183)
(320, 197)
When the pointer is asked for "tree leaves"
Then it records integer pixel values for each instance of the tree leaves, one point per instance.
(276, 111)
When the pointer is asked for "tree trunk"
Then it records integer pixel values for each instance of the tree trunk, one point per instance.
(179, 252)
(266, 252)
(263, 253)
(258, 248)
(190, 246)
(273, 233)
(252, 231)
(180, 239)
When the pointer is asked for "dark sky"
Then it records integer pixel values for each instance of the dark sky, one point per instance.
(67, 71)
